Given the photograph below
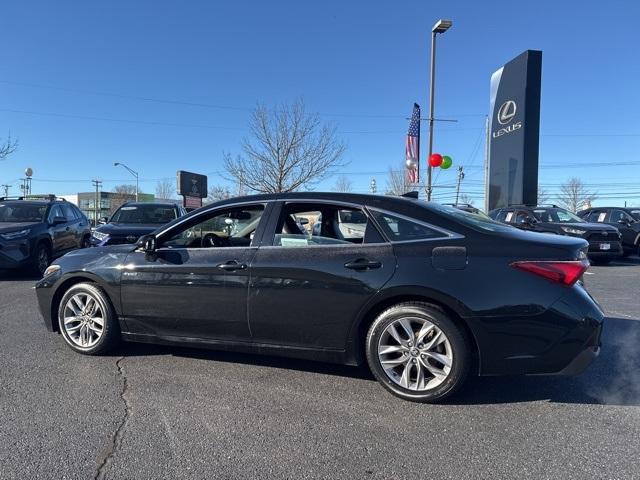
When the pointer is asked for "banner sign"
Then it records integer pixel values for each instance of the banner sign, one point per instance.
(192, 202)
(191, 184)
(512, 170)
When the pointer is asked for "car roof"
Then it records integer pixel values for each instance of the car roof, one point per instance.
(356, 198)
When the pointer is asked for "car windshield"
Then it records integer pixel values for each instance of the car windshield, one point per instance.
(635, 214)
(556, 215)
(22, 212)
(473, 220)
(144, 214)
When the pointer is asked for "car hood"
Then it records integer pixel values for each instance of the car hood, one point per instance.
(13, 226)
(127, 229)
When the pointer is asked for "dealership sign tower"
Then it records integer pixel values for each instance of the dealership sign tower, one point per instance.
(514, 131)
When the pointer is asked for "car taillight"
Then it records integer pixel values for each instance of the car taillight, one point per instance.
(564, 272)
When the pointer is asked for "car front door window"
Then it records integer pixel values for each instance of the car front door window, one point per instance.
(232, 227)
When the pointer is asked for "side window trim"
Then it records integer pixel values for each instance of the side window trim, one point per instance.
(446, 234)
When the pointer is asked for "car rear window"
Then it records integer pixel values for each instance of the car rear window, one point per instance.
(472, 220)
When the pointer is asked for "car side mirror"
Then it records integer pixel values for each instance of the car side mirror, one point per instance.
(622, 221)
(148, 243)
(59, 220)
(103, 220)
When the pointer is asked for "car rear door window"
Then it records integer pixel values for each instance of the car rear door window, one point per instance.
(402, 229)
(308, 225)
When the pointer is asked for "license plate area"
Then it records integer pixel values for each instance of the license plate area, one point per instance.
(605, 246)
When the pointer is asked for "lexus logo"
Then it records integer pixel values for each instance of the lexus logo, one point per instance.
(506, 112)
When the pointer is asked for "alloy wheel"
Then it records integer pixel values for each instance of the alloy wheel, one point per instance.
(83, 320)
(415, 354)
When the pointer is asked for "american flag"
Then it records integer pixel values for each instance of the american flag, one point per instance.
(413, 145)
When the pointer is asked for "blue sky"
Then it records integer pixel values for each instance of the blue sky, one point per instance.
(77, 79)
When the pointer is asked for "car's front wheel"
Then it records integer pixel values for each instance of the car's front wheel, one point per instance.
(417, 352)
(41, 259)
(87, 321)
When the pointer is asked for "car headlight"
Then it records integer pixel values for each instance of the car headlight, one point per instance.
(573, 231)
(100, 236)
(51, 269)
(14, 235)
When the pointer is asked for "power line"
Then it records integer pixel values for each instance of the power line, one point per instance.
(200, 104)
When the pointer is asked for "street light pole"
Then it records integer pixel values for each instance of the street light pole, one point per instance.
(441, 26)
(132, 172)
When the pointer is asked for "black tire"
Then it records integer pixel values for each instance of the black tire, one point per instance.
(41, 258)
(457, 340)
(110, 336)
(86, 241)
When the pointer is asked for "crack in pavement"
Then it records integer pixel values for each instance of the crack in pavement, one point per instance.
(116, 438)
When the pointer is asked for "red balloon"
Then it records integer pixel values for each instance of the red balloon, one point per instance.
(435, 160)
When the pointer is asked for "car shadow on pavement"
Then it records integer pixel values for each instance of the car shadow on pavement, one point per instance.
(612, 379)
(18, 275)
(143, 349)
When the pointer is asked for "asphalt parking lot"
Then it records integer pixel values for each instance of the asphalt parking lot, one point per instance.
(155, 412)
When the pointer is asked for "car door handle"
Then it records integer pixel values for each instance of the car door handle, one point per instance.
(362, 264)
(232, 265)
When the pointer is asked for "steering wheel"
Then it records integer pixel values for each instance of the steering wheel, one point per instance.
(212, 240)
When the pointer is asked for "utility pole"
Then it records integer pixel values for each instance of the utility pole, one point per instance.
(97, 184)
(486, 163)
(6, 190)
(460, 177)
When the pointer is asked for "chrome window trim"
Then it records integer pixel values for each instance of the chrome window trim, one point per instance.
(447, 234)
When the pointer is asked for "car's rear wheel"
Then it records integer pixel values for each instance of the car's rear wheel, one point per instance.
(41, 259)
(87, 321)
(86, 242)
(417, 352)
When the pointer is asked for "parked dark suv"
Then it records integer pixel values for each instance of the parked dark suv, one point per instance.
(34, 231)
(604, 240)
(627, 220)
(132, 220)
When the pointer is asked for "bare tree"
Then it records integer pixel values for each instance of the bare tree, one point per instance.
(464, 198)
(343, 184)
(397, 182)
(217, 193)
(574, 195)
(287, 149)
(165, 189)
(7, 147)
(543, 195)
(121, 195)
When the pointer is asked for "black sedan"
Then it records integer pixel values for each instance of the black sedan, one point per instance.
(425, 296)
